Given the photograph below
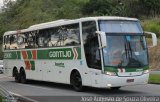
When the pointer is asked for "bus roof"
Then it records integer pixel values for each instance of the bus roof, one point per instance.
(68, 21)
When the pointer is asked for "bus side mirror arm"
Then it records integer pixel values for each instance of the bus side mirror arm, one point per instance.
(154, 39)
(103, 40)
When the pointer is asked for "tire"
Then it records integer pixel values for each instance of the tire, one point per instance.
(115, 88)
(1, 72)
(23, 77)
(16, 75)
(76, 81)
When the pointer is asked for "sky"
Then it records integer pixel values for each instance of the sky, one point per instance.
(1, 3)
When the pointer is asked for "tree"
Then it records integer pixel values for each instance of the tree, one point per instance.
(97, 7)
(151, 7)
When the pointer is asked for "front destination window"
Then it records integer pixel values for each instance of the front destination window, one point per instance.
(126, 45)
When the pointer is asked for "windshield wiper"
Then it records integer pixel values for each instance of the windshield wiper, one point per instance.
(133, 62)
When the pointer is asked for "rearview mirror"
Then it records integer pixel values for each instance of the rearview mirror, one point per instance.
(154, 39)
(103, 39)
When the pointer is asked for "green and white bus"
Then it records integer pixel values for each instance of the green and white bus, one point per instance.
(103, 52)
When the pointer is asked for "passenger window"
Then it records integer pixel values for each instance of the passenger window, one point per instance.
(13, 42)
(6, 45)
(67, 35)
(30, 39)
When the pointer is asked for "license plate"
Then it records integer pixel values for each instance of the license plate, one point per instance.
(130, 80)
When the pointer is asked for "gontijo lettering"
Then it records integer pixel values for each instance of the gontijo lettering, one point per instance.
(65, 54)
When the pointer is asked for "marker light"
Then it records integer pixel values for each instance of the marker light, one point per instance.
(109, 85)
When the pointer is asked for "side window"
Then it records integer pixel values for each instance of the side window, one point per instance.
(67, 35)
(13, 42)
(10, 42)
(43, 38)
(30, 39)
(91, 46)
(21, 41)
(88, 30)
(27, 40)
(71, 35)
(6, 44)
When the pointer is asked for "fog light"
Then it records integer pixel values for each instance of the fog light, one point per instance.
(109, 85)
(145, 71)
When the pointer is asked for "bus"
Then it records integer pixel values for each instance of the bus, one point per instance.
(103, 52)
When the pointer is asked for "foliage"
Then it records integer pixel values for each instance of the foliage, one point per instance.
(23, 13)
(154, 78)
(152, 26)
(152, 7)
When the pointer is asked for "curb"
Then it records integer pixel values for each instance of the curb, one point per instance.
(21, 98)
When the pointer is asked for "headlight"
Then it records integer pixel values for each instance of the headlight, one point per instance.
(110, 73)
(145, 71)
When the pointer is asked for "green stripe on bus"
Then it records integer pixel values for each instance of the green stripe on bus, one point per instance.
(29, 54)
(18, 55)
(57, 54)
(42, 54)
(10, 55)
(115, 69)
(79, 52)
(32, 65)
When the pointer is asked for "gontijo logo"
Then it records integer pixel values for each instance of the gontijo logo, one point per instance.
(64, 54)
(68, 53)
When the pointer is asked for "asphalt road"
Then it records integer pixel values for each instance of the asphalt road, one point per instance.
(155, 72)
(38, 91)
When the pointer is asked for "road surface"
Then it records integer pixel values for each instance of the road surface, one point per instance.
(38, 91)
(155, 72)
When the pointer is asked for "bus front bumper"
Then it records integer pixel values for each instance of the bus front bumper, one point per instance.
(116, 81)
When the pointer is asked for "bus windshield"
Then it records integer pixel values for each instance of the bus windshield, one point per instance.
(126, 45)
(125, 51)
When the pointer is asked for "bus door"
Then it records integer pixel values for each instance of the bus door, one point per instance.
(92, 53)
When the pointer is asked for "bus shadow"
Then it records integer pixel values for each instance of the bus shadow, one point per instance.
(91, 90)
(107, 91)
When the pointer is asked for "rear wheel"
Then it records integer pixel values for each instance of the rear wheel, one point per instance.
(23, 77)
(76, 81)
(16, 75)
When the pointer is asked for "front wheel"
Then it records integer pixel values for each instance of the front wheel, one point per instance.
(76, 81)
